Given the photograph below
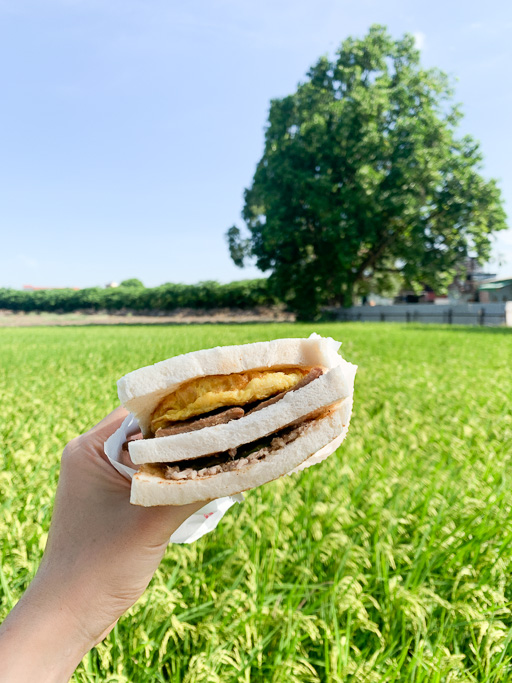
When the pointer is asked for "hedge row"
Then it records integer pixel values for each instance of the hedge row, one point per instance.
(207, 295)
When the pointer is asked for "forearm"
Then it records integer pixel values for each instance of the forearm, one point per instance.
(75, 598)
(100, 556)
(40, 640)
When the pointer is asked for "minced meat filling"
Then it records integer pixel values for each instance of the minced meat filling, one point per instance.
(235, 458)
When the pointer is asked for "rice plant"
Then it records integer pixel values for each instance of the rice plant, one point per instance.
(391, 561)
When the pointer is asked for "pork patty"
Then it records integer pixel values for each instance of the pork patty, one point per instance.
(209, 421)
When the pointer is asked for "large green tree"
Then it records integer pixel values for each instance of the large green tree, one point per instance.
(364, 182)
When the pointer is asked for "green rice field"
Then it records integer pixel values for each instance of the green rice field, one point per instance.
(391, 561)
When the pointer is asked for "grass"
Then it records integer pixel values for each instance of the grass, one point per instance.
(391, 561)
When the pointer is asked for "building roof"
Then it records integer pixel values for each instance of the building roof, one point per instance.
(496, 283)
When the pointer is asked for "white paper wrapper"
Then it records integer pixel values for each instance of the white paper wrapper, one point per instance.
(200, 522)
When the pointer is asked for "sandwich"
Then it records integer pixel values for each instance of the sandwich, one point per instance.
(220, 421)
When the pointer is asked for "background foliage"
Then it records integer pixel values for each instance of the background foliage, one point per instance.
(134, 296)
(365, 183)
(389, 562)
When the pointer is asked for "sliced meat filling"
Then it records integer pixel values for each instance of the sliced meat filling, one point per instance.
(199, 423)
(202, 395)
(223, 416)
(312, 375)
(234, 459)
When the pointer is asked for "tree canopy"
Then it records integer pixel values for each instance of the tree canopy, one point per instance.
(364, 183)
(132, 282)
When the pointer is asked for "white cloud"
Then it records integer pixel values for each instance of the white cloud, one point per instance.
(420, 39)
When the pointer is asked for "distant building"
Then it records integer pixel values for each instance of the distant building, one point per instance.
(495, 290)
(376, 300)
(34, 288)
(112, 285)
(408, 296)
(465, 285)
(463, 289)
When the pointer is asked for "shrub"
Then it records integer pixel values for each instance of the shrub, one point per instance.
(130, 295)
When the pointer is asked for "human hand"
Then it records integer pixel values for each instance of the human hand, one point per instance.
(100, 557)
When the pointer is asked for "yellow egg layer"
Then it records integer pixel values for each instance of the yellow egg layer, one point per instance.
(204, 394)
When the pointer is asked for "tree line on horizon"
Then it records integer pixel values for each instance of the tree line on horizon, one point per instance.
(131, 295)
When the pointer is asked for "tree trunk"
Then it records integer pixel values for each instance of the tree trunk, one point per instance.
(347, 295)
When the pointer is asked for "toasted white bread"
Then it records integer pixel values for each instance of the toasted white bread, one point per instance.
(326, 451)
(141, 391)
(150, 488)
(333, 387)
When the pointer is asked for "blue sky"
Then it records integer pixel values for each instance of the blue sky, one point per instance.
(129, 129)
